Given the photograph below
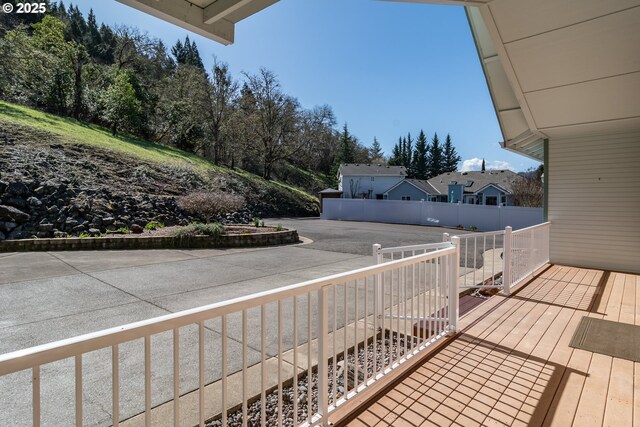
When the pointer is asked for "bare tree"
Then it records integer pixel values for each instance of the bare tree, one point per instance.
(527, 191)
(221, 94)
(271, 120)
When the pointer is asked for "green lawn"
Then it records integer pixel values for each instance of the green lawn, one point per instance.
(73, 131)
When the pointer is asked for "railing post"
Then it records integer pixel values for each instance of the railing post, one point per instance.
(377, 288)
(323, 355)
(506, 259)
(454, 294)
(446, 237)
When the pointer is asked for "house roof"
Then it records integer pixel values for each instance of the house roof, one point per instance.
(330, 191)
(477, 180)
(371, 169)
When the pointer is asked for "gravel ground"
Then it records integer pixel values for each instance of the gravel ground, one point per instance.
(234, 419)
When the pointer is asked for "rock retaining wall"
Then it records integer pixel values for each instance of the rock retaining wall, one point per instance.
(197, 242)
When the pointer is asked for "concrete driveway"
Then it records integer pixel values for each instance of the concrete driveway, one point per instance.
(49, 296)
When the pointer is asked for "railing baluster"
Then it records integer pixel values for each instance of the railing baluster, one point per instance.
(365, 346)
(493, 261)
(391, 316)
(422, 269)
(345, 379)
(377, 282)
(115, 387)
(147, 380)
(280, 362)
(323, 344)
(295, 360)
(335, 349)
(401, 279)
(35, 384)
(79, 390)
(355, 335)
(263, 364)
(224, 350)
(382, 318)
(245, 395)
(309, 361)
(413, 293)
(200, 373)
(176, 377)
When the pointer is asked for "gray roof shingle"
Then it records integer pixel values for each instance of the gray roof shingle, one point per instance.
(371, 169)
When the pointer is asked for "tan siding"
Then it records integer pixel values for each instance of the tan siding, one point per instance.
(594, 202)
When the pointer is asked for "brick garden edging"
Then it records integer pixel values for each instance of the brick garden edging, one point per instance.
(165, 242)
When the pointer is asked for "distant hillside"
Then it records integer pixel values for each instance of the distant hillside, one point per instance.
(46, 160)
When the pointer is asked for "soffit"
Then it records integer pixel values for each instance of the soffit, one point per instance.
(214, 19)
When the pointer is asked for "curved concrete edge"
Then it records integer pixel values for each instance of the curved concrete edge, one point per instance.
(150, 242)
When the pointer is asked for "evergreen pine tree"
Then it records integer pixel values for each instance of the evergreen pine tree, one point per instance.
(419, 161)
(375, 152)
(345, 149)
(435, 157)
(483, 166)
(451, 157)
(396, 155)
(92, 36)
(408, 154)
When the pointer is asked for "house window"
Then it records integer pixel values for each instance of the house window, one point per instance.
(406, 197)
(491, 201)
(378, 196)
(373, 178)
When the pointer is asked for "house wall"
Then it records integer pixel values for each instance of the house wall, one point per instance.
(379, 185)
(406, 189)
(594, 202)
(490, 191)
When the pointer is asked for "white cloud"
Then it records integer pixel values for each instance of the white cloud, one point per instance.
(475, 164)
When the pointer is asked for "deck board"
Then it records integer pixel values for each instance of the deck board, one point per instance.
(512, 364)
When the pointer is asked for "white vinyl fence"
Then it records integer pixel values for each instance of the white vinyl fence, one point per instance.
(485, 218)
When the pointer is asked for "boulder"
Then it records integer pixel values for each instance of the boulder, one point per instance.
(13, 214)
(18, 189)
(136, 229)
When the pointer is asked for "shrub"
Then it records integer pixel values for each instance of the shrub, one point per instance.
(214, 230)
(153, 225)
(121, 230)
(474, 228)
(256, 221)
(210, 204)
(279, 227)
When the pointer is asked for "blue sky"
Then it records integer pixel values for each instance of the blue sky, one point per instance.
(386, 68)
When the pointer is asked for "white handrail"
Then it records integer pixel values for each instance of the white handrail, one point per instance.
(533, 227)
(428, 246)
(51, 352)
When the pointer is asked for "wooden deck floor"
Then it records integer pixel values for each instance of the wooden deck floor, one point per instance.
(512, 364)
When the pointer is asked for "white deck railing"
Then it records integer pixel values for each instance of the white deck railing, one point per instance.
(529, 250)
(338, 318)
(496, 259)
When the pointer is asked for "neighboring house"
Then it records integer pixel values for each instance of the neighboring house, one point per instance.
(368, 181)
(414, 189)
(492, 187)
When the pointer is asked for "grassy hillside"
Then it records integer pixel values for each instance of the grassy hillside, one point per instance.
(34, 144)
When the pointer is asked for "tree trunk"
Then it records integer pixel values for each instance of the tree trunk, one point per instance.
(77, 94)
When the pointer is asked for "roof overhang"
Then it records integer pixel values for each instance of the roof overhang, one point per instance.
(214, 19)
(558, 69)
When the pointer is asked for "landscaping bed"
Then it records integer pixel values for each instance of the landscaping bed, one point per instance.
(194, 236)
